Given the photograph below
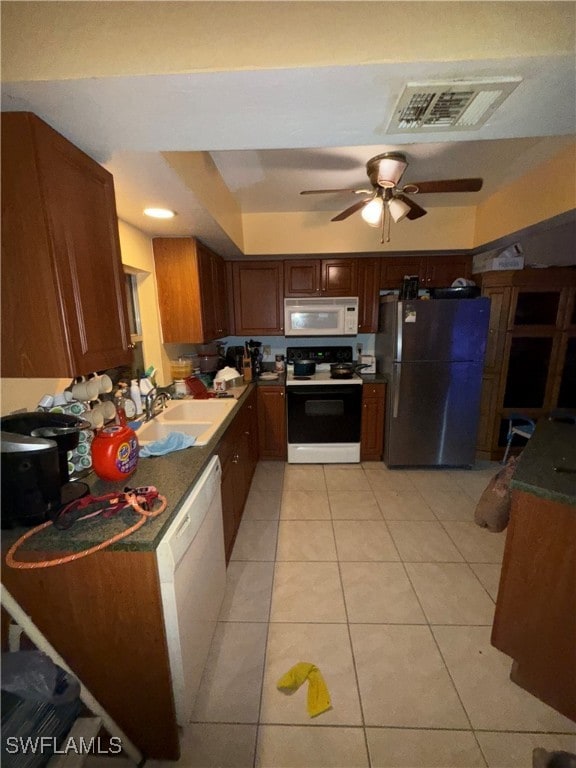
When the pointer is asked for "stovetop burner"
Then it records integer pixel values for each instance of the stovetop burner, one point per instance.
(301, 378)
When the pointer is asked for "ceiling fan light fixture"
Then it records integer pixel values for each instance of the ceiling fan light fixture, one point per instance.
(390, 170)
(398, 209)
(372, 212)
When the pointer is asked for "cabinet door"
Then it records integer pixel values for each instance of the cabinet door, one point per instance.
(339, 277)
(499, 307)
(368, 294)
(394, 268)
(179, 297)
(258, 298)
(272, 422)
(63, 295)
(302, 278)
(212, 271)
(373, 411)
(441, 271)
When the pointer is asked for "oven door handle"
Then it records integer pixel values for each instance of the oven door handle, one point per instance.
(396, 378)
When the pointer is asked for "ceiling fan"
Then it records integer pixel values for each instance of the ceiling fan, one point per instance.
(387, 200)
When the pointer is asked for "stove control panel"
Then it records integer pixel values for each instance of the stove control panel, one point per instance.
(320, 354)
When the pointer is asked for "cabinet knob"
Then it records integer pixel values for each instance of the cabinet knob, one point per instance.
(281, 394)
(235, 458)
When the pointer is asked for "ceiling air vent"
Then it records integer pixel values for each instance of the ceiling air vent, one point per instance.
(455, 105)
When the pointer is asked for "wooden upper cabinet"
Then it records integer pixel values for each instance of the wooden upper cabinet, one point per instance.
(63, 294)
(432, 271)
(258, 298)
(302, 278)
(191, 283)
(368, 294)
(395, 268)
(441, 271)
(212, 271)
(321, 277)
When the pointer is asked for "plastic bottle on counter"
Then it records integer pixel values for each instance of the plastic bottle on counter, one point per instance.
(136, 396)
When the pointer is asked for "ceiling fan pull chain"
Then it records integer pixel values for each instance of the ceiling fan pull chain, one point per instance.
(385, 225)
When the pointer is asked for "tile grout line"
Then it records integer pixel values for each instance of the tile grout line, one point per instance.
(258, 725)
(366, 746)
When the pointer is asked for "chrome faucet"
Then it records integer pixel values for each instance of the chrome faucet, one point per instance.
(155, 401)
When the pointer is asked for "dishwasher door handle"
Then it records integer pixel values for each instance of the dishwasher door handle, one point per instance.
(182, 527)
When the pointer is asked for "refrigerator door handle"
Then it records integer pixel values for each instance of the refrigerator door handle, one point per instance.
(399, 332)
(396, 385)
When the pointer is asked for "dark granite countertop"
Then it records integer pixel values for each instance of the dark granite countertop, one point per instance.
(374, 378)
(553, 444)
(174, 475)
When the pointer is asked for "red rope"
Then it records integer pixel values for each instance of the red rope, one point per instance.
(131, 500)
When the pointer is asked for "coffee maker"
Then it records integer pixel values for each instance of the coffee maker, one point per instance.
(235, 358)
(34, 465)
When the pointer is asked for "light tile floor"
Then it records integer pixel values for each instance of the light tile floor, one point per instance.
(382, 579)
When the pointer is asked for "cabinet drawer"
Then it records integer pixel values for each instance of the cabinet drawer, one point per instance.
(373, 390)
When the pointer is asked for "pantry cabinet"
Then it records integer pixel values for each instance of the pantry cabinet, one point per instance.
(238, 453)
(63, 294)
(373, 415)
(258, 298)
(530, 363)
(432, 271)
(272, 423)
(191, 282)
(321, 277)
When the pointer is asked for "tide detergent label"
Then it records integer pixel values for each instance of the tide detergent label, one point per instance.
(127, 456)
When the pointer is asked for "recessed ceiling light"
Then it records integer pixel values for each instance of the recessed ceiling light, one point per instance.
(160, 213)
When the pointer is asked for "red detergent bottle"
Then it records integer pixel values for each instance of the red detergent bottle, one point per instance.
(115, 453)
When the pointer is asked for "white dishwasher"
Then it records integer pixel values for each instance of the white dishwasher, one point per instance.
(192, 569)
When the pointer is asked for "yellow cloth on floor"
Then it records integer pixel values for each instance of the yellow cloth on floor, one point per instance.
(318, 696)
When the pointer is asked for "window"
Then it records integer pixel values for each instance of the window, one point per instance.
(131, 286)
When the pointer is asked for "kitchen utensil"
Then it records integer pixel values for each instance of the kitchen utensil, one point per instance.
(345, 370)
(304, 367)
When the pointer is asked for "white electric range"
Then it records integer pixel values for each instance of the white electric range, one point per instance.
(324, 413)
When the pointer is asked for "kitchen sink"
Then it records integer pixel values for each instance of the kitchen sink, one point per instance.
(198, 410)
(197, 418)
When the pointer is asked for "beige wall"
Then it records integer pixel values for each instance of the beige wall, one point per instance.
(442, 228)
(138, 256)
(547, 191)
(199, 173)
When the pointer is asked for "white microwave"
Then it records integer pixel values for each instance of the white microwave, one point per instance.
(321, 317)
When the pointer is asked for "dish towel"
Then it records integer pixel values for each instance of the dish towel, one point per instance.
(318, 695)
(174, 441)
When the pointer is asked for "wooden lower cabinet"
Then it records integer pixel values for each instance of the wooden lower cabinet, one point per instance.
(535, 622)
(238, 453)
(103, 614)
(373, 415)
(272, 423)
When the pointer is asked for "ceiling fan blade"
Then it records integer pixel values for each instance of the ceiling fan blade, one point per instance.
(324, 191)
(447, 185)
(349, 211)
(416, 212)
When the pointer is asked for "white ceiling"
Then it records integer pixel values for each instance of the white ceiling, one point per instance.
(274, 132)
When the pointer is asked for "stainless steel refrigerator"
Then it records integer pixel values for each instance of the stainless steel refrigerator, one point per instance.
(433, 353)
